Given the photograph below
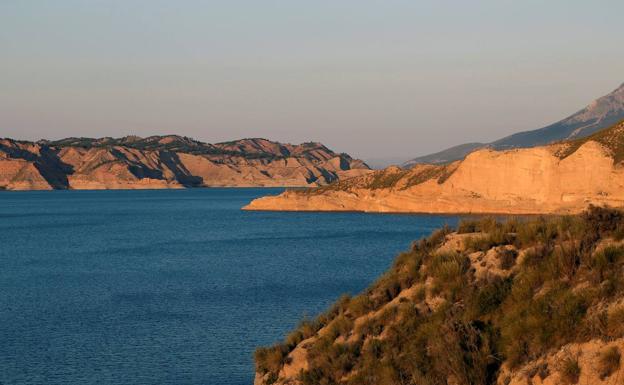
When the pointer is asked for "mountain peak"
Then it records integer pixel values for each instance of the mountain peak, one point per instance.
(609, 107)
(601, 113)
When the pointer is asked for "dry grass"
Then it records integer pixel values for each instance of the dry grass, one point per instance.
(569, 370)
(608, 361)
(473, 326)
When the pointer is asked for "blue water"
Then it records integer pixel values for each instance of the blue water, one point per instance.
(171, 287)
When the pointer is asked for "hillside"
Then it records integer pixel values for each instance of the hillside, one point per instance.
(446, 156)
(560, 178)
(168, 162)
(527, 301)
(601, 113)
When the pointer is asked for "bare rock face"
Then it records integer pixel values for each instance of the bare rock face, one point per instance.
(168, 162)
(560, 178)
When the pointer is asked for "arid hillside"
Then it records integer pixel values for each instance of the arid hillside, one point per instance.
(168, 162)
(521, 302)
(560, 178)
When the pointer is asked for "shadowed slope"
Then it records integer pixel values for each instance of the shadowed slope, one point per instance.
(168, 162)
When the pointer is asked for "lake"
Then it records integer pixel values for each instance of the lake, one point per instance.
(172, 286)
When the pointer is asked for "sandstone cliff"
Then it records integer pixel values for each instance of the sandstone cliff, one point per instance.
(533, 301)
(559, 178)
(168, 162)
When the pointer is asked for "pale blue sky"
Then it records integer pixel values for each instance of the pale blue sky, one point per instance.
(372, 78)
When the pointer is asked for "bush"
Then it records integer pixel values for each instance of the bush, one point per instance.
(615, 322)
(490, 297)
(539, 231)
(467, 226)
(602, 262)
(340, 326)
(304, 330)
(602, 220)
(530, 327)
(360, 305)
(486, 241)
(569, 370)
(447, 267)
(449, 273)
(486, 224)
(608, 361)
(507, 258)
(270, 360)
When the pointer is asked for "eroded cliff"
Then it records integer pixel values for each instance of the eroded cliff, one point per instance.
(168, 162)
(559, 178)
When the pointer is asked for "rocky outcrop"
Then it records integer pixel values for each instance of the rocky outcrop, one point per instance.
(560, 178)
(168, 162)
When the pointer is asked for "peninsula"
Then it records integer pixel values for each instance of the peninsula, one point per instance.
(563, 177)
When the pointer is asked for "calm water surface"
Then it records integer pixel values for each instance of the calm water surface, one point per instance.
(171, 287)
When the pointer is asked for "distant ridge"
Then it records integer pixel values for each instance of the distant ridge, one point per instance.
(601, 113)
(447, 156)
(169, 161)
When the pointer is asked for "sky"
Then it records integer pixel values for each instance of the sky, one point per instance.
(379, 79)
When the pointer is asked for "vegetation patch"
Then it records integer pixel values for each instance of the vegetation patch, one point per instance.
(609, 361)
(386, 179)
(612, 139)
(569, 370)
(453, 328)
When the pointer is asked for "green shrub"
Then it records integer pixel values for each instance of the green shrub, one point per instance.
(489, 298)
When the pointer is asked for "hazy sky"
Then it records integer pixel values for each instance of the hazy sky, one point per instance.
(376, 79)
